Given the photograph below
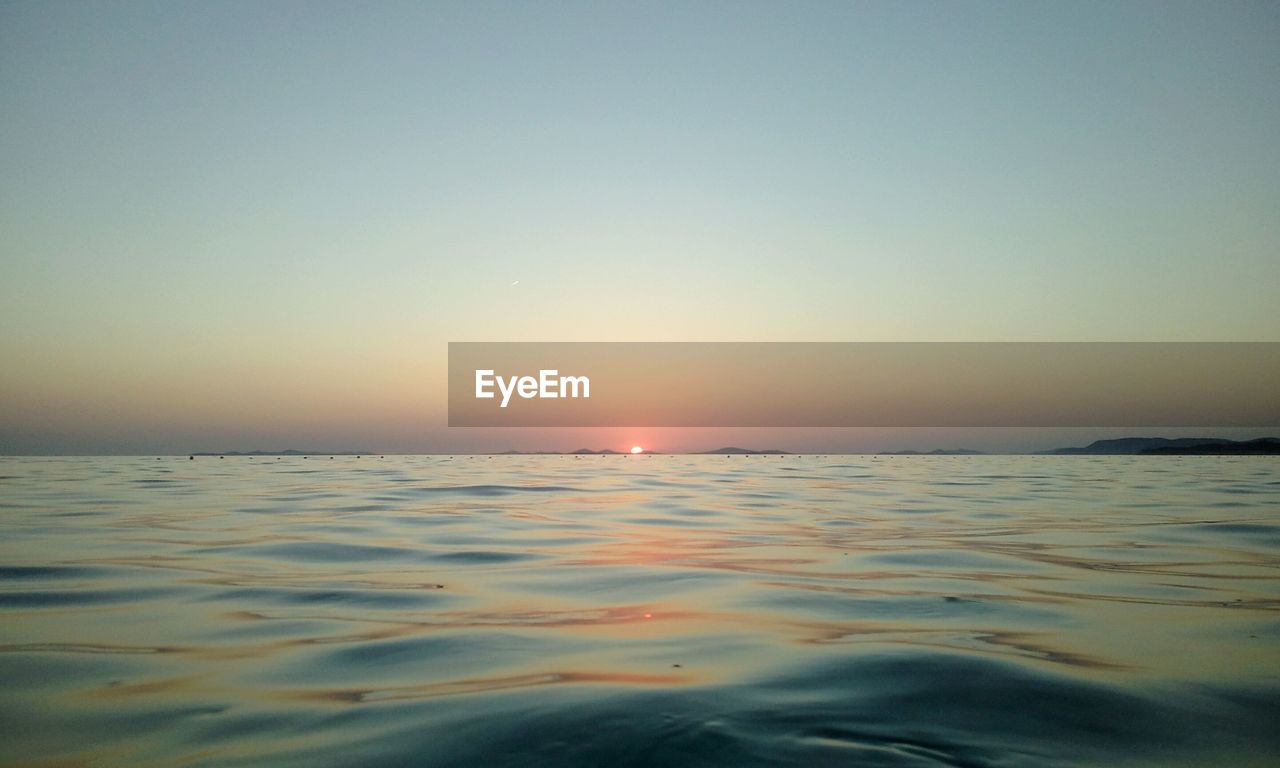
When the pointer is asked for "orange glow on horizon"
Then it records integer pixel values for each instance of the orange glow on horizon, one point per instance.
(636, 449)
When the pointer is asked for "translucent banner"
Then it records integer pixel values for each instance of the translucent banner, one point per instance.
(855, 384)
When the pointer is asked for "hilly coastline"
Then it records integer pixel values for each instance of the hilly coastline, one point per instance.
(1164, 446)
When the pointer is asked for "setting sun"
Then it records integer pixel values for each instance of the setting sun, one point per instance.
(637, 449)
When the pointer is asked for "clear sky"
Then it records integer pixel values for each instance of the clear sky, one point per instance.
(243, 225)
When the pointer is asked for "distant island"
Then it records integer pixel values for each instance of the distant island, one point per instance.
(1263, 446)
(1178, 446)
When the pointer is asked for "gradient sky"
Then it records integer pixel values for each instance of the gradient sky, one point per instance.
(257, 225)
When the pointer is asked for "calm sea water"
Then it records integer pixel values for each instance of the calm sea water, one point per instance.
(709, 611)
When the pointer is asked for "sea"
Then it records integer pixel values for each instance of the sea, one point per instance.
(726, 611)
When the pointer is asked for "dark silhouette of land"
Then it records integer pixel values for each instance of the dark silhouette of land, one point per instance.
(1186, 446)
(730, 450)
(1263, 446)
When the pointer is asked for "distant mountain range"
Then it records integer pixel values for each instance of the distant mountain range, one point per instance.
(1164, 446)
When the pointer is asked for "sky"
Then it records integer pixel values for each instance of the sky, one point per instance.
(242, 225)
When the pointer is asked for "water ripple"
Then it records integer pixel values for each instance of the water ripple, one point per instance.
(705, 611)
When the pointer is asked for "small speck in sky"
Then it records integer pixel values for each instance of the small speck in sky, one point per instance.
(515, 282)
